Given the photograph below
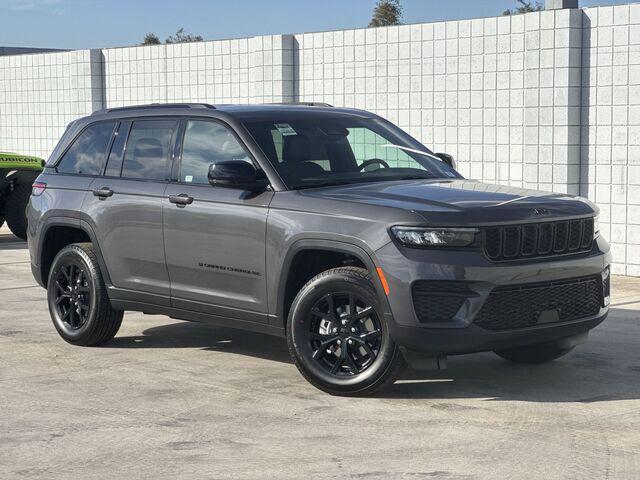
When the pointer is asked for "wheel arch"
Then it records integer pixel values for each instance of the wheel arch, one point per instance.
(287, 280)
(59, 232)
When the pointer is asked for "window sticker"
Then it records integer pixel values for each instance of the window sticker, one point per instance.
(188, 178)
(285, 129)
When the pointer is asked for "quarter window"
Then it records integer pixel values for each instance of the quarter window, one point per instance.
(206, 143)
(148, 147)
(87, 154)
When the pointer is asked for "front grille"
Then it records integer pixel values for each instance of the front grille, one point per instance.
(436, 301)
(513, 242)
(521, 306)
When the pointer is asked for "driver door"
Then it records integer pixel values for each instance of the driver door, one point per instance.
(215, 236)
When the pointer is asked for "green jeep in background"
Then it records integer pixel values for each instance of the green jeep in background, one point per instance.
(17, 173)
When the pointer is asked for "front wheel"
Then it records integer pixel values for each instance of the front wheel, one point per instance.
(338, 337)
(77, 297)
(533, 354)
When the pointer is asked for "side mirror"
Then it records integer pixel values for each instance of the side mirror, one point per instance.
(448, 159)
(236, 174)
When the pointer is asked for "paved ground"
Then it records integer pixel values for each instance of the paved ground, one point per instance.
(173, 400)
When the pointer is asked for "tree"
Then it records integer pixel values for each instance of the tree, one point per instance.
(181, 37)
(151, 39)
(386, 12)
(525, 7)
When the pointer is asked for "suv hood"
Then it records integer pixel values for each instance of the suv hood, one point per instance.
(462, 202)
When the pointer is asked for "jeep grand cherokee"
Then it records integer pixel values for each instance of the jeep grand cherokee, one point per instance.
(329, 226)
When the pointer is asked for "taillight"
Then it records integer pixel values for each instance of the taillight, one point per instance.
(38, 189)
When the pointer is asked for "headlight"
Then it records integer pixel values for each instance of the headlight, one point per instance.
(435, 237)
(596, 226)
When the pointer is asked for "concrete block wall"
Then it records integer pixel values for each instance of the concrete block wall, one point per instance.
(611, 126)
(500, 94)
(271, 69)
(41, 93)
(547, 100)
(243, 70)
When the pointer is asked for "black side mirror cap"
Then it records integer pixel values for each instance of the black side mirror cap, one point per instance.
(237, 174)
(448, 159)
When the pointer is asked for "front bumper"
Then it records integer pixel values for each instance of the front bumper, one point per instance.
(476, 339)
(402, 267)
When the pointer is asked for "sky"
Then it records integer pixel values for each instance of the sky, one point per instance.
(76, 24)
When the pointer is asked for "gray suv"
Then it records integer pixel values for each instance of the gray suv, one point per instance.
(329, 226)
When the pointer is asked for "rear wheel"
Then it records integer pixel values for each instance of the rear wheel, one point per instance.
(15, 209)
(532, 354)
(338, 337)
(77, 297)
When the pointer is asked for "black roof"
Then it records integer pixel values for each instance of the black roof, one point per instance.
(244, 111)
(268, 111)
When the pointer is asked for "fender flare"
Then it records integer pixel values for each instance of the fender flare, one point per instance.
(333, 245)
(79, 224)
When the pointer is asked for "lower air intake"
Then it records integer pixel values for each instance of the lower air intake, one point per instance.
(521, 306)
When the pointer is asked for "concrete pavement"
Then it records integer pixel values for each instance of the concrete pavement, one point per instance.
(174, 400)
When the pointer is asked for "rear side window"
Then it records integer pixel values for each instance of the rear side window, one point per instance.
(87, 154)
(148, 148)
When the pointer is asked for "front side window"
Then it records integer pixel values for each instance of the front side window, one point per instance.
(148, 148)
(309, 151)
(205, 143)
(87, 154)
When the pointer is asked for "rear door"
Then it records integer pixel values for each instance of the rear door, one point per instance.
(126, 208)
(215, 244)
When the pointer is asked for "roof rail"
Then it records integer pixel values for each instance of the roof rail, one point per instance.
(303, 104)
(153, 106)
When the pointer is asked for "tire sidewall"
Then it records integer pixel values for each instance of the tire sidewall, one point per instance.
(306, 298)
(76, 255)
(15, 210)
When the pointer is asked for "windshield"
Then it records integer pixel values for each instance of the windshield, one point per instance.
(315, 151)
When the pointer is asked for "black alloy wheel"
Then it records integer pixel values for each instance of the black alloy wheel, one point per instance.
(77, 295)
(339, 338)
(73, 295)
(344, 334)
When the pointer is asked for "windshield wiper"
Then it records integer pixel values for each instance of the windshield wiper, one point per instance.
(332, 183)
(325, 183)
(427, 176)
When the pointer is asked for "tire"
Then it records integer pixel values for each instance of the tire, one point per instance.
(1, 221)
(534, 354)
(318, 340)
(75, 277)
(15, 210)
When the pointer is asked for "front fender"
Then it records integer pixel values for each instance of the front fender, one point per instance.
(280, 276)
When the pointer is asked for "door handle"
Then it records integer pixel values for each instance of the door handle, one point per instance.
(103, 192)
(181, 200)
